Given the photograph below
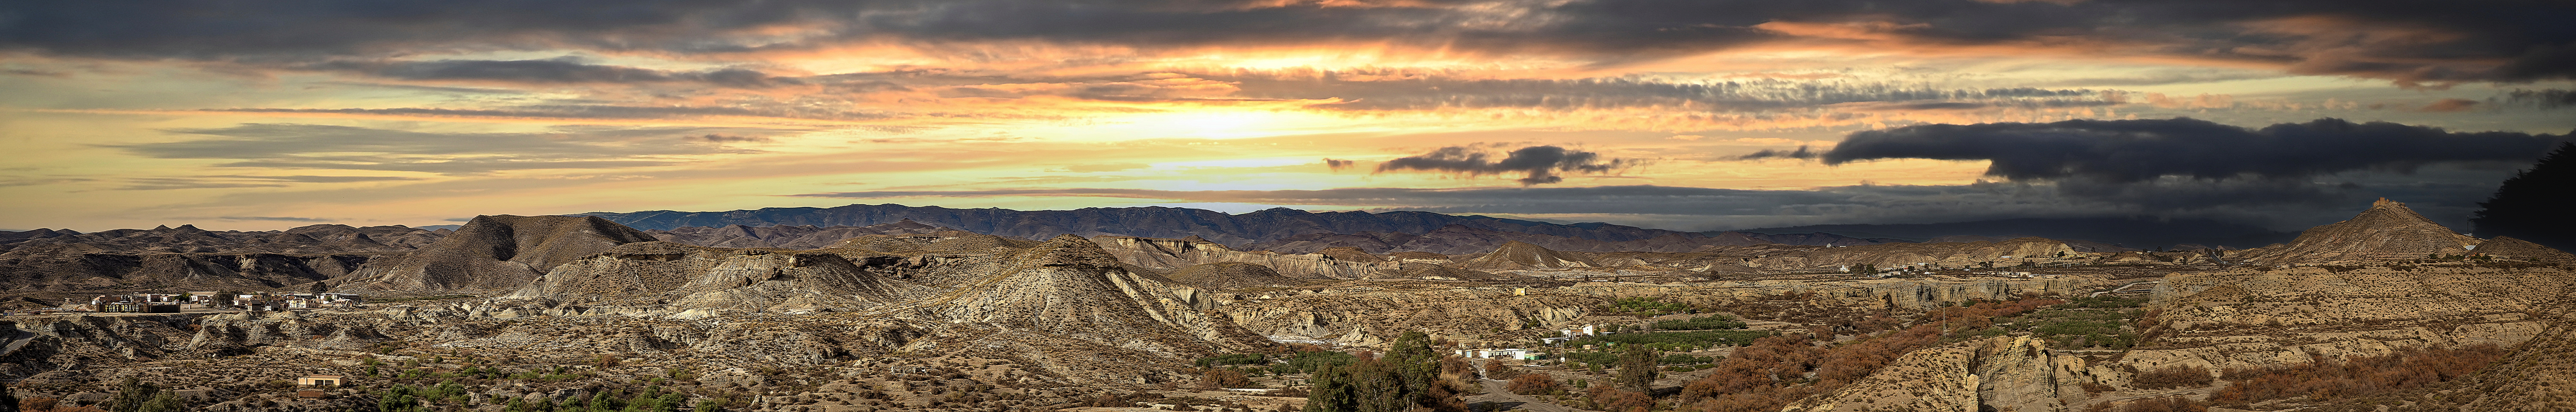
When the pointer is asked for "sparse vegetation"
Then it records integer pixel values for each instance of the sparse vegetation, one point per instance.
(2329, 379)
(1701, 323)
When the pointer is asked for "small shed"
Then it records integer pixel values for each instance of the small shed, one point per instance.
(319, 380)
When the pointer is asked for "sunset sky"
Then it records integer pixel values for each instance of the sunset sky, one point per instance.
(1685, 115)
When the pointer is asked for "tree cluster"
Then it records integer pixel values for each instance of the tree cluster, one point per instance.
(1407, 378)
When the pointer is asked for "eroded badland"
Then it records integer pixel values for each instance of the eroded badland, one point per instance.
(2387, 311)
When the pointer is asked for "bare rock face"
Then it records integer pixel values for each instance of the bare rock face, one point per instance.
(1525, 256)
(63, 263)
(785, 237)
(1467, 239)
(2269, 317)
(694, 277)
(497, 254)
(1153, 253)
(1944, 254)
(2511, 248)
(953, 241)
(314, 239)
(1070, 287)
(2388, 230)
(1229, 275)
(2004, 373)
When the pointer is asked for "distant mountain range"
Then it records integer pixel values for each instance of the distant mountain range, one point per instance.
(1294, 231)
(2139, 233)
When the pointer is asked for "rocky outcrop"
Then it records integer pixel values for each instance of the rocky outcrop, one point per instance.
(2511, 248)
(943, 242)
(2388, 230)
(314, 239)
(1525, 256)
(785, 237)
(684, 277)
(1457, 239)
(34, 345)
(497, 253)
(1237, 230)
(63, 263)
(1070, 287)
(1944, 254)
(1153, 253)
(2005, 373)
(1229, 275)
(2269, 317)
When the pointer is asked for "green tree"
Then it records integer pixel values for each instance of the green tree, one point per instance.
(1332, 390)
(1408, 377)
(2532, 205)
(399, 398)
(1637, 368)
(710, 405)
(131, 395)
(163, 402)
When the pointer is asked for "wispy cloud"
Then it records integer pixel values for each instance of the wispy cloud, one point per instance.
(308, 146)
(241, 181)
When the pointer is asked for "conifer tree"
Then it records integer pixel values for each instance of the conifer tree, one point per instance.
(2533, 205)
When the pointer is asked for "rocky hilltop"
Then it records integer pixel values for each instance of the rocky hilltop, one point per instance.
(785, 237)
(496, 253)
(2388, 230)
(57, 264)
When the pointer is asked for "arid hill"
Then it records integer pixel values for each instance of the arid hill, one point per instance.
(1459, 239)
(1157, 222)
(2388, 230)
(497, 253)
(57, 264)
(785, 237)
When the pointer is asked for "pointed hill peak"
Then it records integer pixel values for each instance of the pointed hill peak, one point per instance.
(2389, 230)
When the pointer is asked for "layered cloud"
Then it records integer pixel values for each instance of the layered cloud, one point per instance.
(2276, 204)
(308, 146)
(2404, 41)
(2122, 151)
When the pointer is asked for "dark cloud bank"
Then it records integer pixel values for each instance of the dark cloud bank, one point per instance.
(2124, 151)
(2285, 176)
(1540, 164)
(2456, 41)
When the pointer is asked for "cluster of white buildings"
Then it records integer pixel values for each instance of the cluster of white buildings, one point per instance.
(174, 302)
(1504, 353)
